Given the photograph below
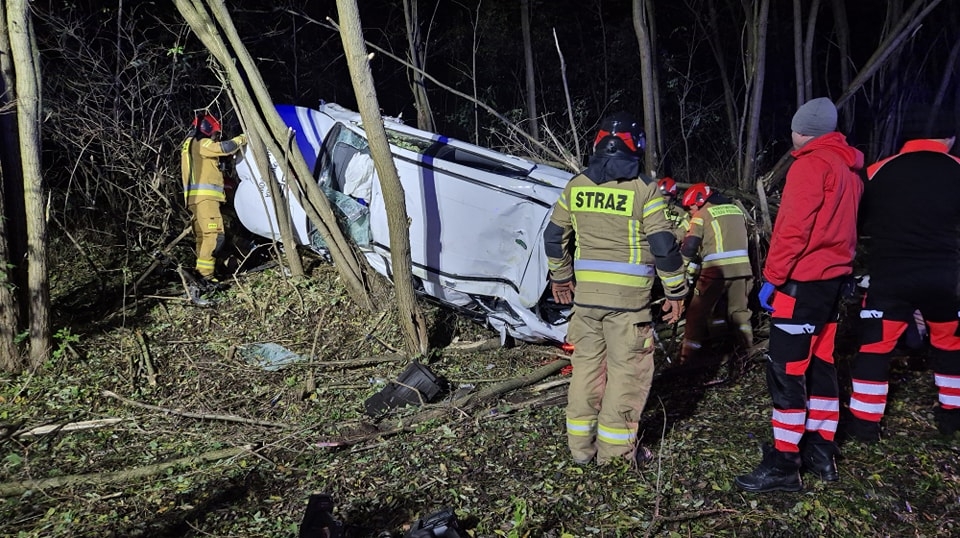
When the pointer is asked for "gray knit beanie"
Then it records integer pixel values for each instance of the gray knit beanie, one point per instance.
(815, 117)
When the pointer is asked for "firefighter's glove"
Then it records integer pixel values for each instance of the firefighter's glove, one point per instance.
(562, 291)
(692, 270)
(241, 140)
(766, 293)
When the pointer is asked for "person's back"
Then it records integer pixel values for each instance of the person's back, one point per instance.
(912, 228)
(909, 209)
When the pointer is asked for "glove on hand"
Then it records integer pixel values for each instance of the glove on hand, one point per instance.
(241, 140)
(766, 292)
(692, 270)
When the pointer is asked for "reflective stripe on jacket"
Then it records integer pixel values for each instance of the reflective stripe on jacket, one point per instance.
(721, 233)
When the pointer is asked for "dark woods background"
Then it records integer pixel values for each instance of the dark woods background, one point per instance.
(121, 81)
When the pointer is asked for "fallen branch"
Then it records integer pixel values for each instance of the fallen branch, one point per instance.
(13, 489)
(188, 414)
(69, 427)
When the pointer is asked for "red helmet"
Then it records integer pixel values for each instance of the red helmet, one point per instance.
(696, 195)
(668, 187)
(206, 124)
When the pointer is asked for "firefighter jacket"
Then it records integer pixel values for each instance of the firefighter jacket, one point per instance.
(199, 166)
(909, 209)
(613, 239)
(815, 235)
(718, 233)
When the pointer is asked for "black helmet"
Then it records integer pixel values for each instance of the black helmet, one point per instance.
(620, 133)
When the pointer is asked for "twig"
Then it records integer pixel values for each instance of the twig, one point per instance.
(481, 345)
(13, 489)
(145, 360)
(188, 414)
(359, 363)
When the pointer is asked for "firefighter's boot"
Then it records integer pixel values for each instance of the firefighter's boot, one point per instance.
(779, 471)
(948, 420)
(819, 459)
(865, 431)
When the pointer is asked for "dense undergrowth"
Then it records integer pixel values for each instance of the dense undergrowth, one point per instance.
(503, 465)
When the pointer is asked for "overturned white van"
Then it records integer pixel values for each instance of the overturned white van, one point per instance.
(476, 216)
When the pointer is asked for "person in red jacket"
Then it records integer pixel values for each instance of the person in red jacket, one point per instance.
(810, 259)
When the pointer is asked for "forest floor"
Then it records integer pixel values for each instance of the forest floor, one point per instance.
(195, 439)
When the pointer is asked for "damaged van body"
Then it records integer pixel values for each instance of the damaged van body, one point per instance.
(476, 216)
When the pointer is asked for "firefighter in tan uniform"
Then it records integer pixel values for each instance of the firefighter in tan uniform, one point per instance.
(716, 248)
(608, 239)
(203, 186)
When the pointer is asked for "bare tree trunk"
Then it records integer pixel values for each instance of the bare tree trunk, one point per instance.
(411, 318)
(758, 22)
(10, 178)
(418, 57)
(655, 86)
(798, 71)
(842, 30)
(566, 92)
(808, 50)
(642, 29)
(26, 63)
(534, 124)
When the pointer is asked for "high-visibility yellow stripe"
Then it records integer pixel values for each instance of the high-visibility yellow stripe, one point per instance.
(603, 277)
(615, 436)
(563, 201)
(581, 428)
(653, 205)
(718, 234)
(672, 281)
(727, 261)
(634, 226)
(696, 220)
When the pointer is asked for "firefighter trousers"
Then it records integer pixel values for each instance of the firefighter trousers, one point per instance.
(208, 231)
(888, 308)
(612, 372)
(801, 373)
(710, 288)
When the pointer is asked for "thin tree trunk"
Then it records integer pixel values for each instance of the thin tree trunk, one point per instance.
(531, 89)
(642, 29)
(842, 30)
(808, 50)
(798, 71)
(566, 93)
(758, 48)
(27, 65)
(655, 86)
(411, 318)
(418, 57)
(729, 100)
(10, 172)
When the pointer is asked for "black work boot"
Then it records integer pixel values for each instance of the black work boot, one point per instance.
(819, 459)
(948, 420)
(779, 471)
(865, 431)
